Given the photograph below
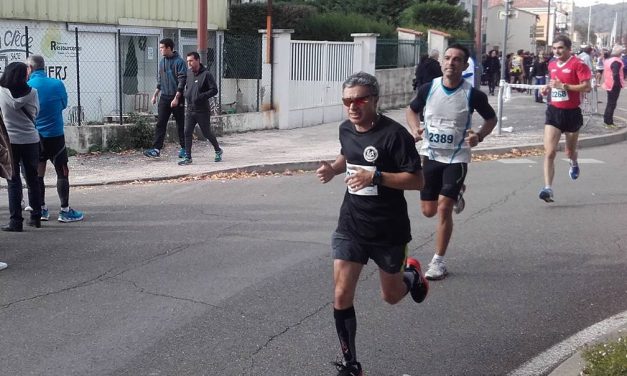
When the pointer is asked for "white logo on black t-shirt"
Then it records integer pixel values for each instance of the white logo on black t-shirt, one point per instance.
(371, 154)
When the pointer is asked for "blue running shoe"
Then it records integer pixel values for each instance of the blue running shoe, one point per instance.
(70, 216)
(185, 161)
(152, 153)
(45, 214)
(573, 171)
(182, 153)
(218, 157)
(546, 194)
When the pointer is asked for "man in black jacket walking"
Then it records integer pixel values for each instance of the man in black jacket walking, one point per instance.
(428, 69)
(200, 86)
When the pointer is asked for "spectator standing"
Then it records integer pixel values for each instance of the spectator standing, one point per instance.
(493, 70)
(428, 69)
(171, 77)
(586, 57)
(527, 64)
(540, 71)
(6, 164)
(600, 65)
(19, 105)
(517, 73)
(613, 82)
(49, 124)
(199, 88)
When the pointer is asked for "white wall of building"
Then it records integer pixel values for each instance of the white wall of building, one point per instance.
(521, 28)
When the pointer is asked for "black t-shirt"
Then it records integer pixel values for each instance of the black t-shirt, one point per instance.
(380, 219)
(478, 101)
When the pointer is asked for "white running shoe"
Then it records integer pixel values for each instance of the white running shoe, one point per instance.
(437, 270)
(3, 265)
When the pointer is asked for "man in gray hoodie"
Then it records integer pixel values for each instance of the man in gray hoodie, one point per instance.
(170, 85)
(199, 88)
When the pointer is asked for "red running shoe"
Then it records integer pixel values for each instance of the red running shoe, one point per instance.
(420, 287)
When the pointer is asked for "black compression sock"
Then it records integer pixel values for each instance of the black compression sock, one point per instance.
(346, 326)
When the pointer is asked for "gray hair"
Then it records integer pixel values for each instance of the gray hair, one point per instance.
(363, 79)
(434, 53)
(617, 50)
(36, 62)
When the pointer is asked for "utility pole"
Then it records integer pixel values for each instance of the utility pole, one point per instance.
(508, 4)
(548, 23)
(201, 32)
(589, 21)
(622, 16)
(478, 30)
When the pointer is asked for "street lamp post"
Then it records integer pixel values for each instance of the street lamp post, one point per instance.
(548, 23)
(589, 21)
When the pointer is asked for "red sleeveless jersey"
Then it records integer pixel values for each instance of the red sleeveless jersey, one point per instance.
(572, 72)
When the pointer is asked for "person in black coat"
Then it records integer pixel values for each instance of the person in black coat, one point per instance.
(200, 86)
(428, 69)
(492, 68)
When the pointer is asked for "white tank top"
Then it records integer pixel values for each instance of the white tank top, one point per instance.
(447, 118)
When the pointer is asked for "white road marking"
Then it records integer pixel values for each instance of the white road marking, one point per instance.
(585, 161)
(517, 161)
(560, 352)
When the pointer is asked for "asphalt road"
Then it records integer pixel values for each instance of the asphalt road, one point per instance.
(234, 278)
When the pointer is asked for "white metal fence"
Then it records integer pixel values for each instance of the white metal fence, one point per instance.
(318, 70)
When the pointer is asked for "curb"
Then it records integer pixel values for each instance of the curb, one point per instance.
(586, 142)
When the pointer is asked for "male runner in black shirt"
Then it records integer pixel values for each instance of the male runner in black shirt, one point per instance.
(379, 160)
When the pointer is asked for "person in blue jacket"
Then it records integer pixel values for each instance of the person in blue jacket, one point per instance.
(49, 123)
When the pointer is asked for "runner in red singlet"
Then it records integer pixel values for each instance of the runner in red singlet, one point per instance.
(569, 77)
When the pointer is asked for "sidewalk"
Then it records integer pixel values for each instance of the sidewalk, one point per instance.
(303, 148)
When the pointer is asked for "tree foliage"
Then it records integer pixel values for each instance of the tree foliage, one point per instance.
(436, 14)
(381, 10)
(249, 18)
(339, 27)
(450, 2)
(582, 29)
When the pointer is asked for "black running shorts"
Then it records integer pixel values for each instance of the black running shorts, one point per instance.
(53, 149)
(389, 258)
(444, 179)
(566, 120)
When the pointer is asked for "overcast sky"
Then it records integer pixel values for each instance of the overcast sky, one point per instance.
(586, 3)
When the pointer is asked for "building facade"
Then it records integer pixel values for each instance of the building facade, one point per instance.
(106, 52)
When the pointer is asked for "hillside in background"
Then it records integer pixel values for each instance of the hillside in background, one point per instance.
(602, 17)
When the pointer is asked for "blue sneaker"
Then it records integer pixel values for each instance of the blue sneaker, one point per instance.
(70, 216)
(152, 153)
(218, 157)
(546, 194)
(573, 171)
(185, 161)
(45, 214)
(182, 153)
